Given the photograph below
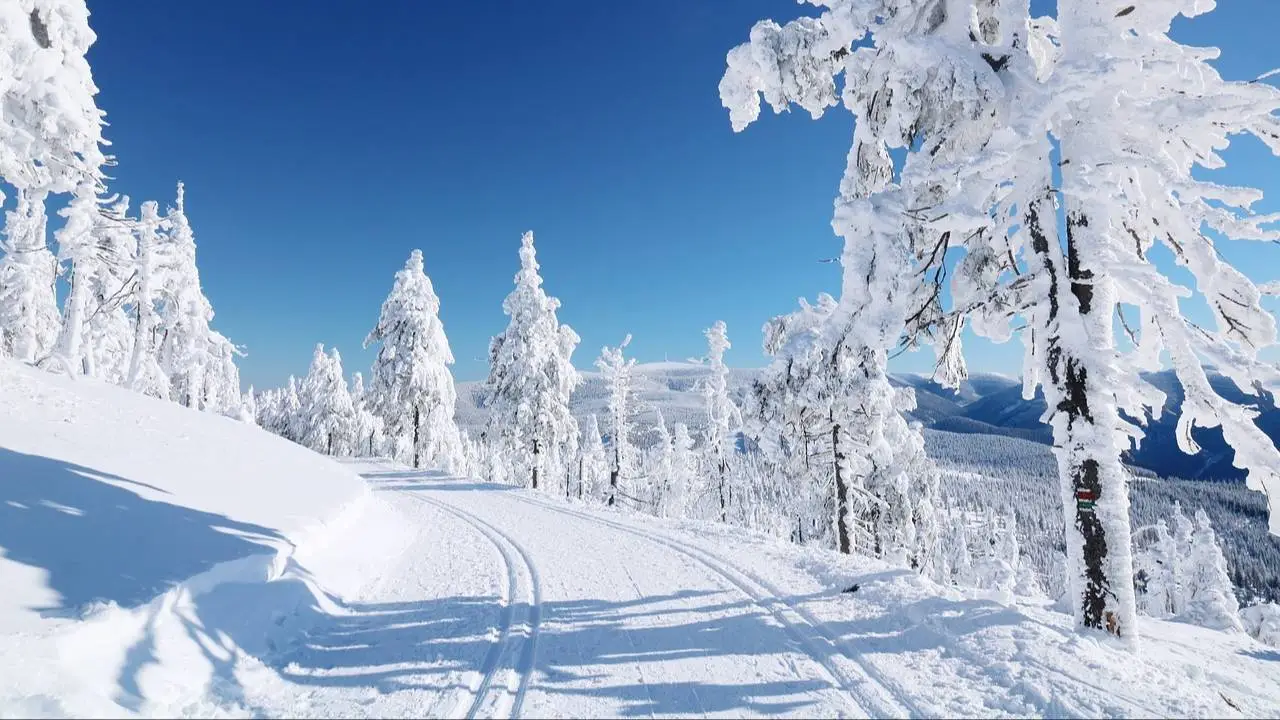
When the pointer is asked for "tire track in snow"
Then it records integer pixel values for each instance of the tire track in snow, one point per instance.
(871, 693)
(530, 622)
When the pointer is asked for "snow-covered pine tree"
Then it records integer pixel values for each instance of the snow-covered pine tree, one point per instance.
(249, 407)
(369, 438)
(51, 128)
(1211, 600)
(29, 318)
(531, 378)
(616, 371)
(593, 465)
(109, 326)
(145, 374)
(789, 413)
(1017, 120)
(723, 416)
(50, 142)
(329, 415)
(658, 463)
(1159, 569)
(684, 472)
(185, 350)
(411, 386)
(78, 247)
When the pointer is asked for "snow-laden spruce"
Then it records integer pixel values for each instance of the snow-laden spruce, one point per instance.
(723, 417)
(51, 127)
(29, 318)
(411, 387)
(531, 377)
(616, 370)
(145, 373)
(185, 349)
(989, 102)
(327, 416)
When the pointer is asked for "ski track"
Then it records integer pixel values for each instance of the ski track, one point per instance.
(871, 692)
(503, 645)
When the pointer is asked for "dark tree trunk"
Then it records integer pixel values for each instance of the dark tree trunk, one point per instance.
(613, 476)
(417, 420)
(724, 503)
(842, 492)
(536, 452)
(1080, 462)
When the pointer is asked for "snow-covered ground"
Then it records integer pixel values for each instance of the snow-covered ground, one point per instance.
(163, 562)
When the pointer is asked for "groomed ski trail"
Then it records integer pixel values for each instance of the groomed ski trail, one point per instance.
(509, 696)
(506, 605)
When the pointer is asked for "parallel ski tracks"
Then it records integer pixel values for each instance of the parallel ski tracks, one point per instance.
(867, 687)
(516, 646)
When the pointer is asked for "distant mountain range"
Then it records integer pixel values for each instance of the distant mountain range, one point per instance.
(984, 404)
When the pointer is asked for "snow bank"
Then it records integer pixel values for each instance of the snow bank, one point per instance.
(142, 544)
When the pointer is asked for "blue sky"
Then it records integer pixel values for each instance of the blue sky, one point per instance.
(321, 142)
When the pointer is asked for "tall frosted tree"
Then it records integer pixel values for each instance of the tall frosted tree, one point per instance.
(616, 370)
(593, 462)
(145, 373)
(411, 386)
(368, 426)
(78, 247)
(186, 350)
(1005, 121)
(29, 318)
(50, 143)
(723, 416)
(108, 342)
(531, 378)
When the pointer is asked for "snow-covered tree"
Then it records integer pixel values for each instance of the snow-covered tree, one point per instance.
(369, 439)
(680, 485)
(145, 374)
(78, 246)
(109, 326)
(411, 387)
(249, 407)
(328, 413)
(1211, 598)
(616, 371)
(531, 378)
(1159, 570)
(185, 350)
(1005, 119)
(593, 465)
(723, 417)
(657, 465)
(29, 319)
(51, 127)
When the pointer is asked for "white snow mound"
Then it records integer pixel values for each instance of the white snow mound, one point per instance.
(126, 522)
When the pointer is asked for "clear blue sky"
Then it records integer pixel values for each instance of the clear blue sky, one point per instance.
(322, 141)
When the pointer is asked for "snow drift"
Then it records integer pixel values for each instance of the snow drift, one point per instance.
(125, 522)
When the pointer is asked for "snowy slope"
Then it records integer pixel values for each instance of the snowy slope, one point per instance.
(115, 509)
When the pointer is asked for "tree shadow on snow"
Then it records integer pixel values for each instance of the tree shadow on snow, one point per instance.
(99, 540)
(434, 644)
(1266, 655)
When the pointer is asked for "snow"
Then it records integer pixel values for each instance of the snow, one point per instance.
(164, 562)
